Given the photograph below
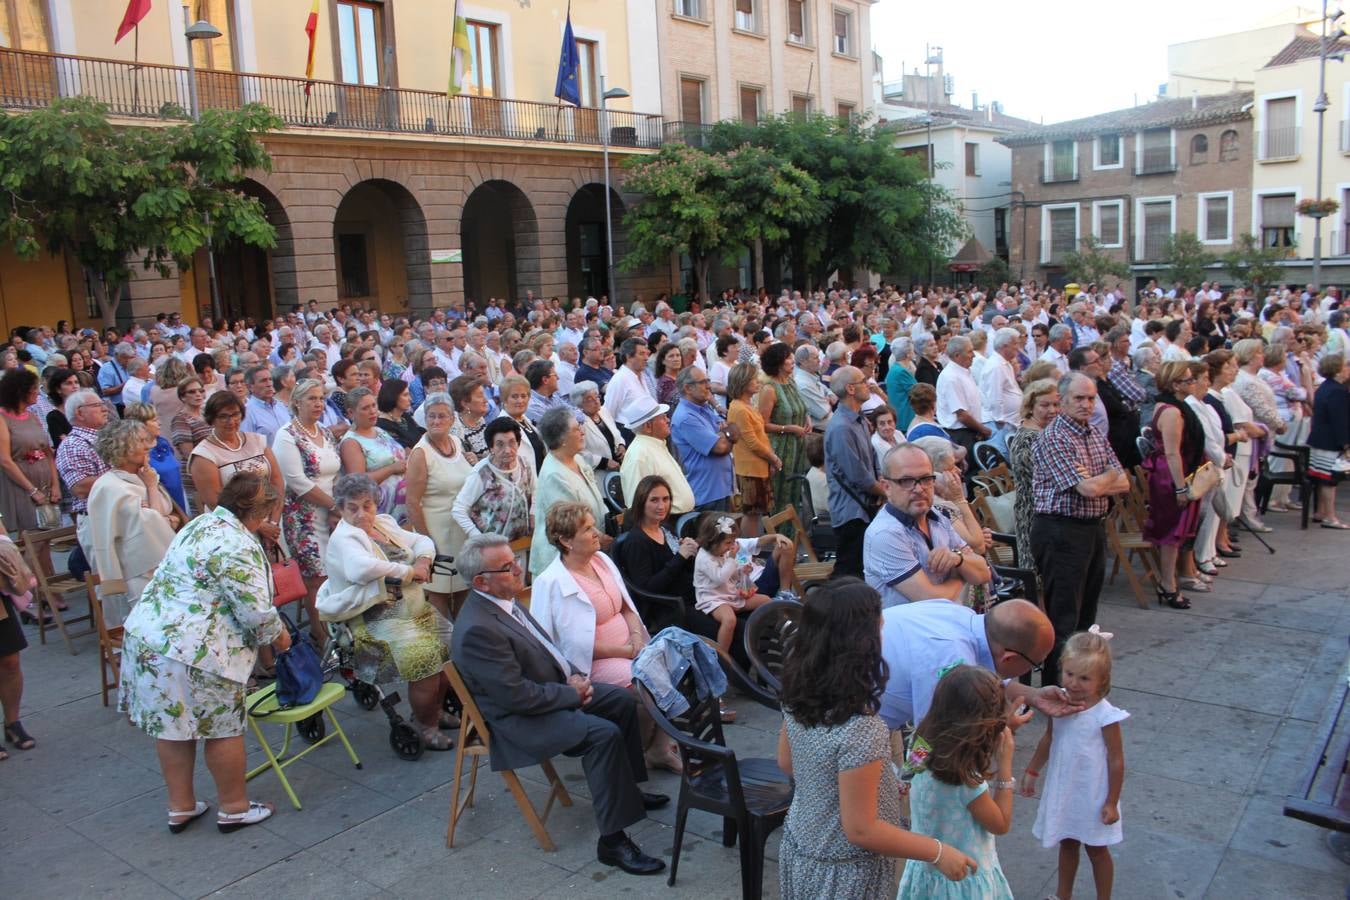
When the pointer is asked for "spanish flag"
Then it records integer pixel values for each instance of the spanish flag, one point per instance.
(460, 53)
(311, 28)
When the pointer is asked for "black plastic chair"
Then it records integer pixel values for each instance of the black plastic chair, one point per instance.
(1297, 476)
(657, 610)
(751, 795)
(611, 485)
(822, 535)
(768, 640)
(1018, 572)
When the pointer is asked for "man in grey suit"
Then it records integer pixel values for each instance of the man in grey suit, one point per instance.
(538, 706)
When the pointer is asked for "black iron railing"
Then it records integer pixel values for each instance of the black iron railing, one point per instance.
(147, 90)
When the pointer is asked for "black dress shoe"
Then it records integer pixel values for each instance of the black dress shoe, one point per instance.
(629, 857)
(1230, 554)
(654, 801)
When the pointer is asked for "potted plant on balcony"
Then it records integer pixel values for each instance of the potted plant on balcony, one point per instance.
(1317, 209)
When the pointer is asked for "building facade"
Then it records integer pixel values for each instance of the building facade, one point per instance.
(1132, 179)
(385, 191)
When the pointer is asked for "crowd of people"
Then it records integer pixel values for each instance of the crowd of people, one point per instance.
(363, 444)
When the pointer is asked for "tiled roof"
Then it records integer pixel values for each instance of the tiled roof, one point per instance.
(1176, 113)
(959, 115)
(1301, 48)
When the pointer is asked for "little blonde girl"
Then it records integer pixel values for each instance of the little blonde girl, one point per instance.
(723, 585)
(963, 792)
(1080, 800)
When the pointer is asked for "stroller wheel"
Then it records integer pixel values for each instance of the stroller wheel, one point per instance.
(312, 729)
(365, 695)
(405, 740)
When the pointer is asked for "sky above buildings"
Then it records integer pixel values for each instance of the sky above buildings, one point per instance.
(1053, 60)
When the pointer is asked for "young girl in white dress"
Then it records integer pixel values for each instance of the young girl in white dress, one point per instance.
(1080, 799)
(723, 584)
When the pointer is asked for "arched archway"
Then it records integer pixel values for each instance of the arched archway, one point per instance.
(499, 238)
(252, 281)
(380, 247)
(587, 256)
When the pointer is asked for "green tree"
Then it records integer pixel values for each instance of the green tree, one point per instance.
(1184, 259)
(1090, 264)
(1251, 264)
(993, 273)
(105, 193)
(712, 205)
(879, 210)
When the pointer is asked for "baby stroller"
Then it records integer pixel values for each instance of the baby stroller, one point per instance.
(339, 657)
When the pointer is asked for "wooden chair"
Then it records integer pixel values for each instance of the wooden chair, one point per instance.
(803, 570)
(474, 742)
(109, 641)
(1124, 541)
(52, 586)
(521, 548)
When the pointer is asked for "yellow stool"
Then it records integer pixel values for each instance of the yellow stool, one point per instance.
(294, 719)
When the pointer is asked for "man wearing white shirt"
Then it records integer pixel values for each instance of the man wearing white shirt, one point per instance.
(959, 410)
(572, 331)
(1000, 397)
(665, 320)
(631, 379)
(1061, 342)
(566, 363)
(332, 350)
(263, 413)
(138, 371)
(819, 399)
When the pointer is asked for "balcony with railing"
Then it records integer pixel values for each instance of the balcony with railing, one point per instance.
(1153, 246)
(1277, 144)
(1059, 172)
(1156, 161)
(1054, 251)
(695, 134)
(151, 91)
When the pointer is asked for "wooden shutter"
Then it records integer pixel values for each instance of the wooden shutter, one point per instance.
(691, 100)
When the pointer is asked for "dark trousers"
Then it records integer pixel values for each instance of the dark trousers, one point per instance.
(849, 557)
(611, 755)
(1071, 558)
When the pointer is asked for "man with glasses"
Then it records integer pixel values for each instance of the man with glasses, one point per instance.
(851, 470)
(1075, 474)
(911, 552)
(704, 440)
(537, 705)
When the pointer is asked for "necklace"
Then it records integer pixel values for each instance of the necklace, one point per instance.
(215, 439)
(312, 435)
(432, 441)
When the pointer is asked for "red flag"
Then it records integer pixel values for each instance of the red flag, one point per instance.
(311, 28)
(136, 10)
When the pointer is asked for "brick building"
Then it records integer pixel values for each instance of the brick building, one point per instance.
(1132, 178)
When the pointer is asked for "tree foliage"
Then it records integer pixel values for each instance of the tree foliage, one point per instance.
(1090, 264)
(872, 207)
(712, 205)
(75, 182)
(1184, 259)
(1251, 264)
(993, 273)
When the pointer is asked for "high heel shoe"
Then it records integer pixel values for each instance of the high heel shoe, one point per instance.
(1235, 553)
(1207, 568)
(1198, 585)
(1173, 599)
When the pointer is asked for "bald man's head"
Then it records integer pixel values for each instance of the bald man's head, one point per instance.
(1020, 637)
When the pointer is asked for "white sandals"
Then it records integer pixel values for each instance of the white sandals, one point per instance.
(192, 816)
(256, 812)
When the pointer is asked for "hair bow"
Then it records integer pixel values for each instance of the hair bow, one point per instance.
(726, 525)
(1104, 635)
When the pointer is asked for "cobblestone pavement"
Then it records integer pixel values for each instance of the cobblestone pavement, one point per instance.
(1224, 699)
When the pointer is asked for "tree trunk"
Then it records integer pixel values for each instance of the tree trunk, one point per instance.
(106, 305)
(701, 267)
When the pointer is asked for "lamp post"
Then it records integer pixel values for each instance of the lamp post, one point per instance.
(616, 93)
(1325, 45)
(202, 30)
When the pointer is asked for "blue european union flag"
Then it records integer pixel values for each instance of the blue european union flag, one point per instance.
(569, 66)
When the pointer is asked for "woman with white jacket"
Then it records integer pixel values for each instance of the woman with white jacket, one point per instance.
(403, 639)
(603, 450)
(131, 520)
(580, 602)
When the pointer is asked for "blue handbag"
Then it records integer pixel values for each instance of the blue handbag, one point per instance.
(299, 672)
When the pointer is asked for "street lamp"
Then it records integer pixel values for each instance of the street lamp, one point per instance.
(202, 30)
(615, 93)
(1325, 45)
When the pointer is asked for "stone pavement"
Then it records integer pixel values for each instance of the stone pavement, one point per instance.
(1223, 700)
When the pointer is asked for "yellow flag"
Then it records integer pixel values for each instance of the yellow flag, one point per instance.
(460, 60)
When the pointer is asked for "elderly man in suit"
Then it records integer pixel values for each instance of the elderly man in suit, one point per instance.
(538, 705)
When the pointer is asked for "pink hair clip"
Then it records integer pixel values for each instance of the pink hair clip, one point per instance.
(1104, 635)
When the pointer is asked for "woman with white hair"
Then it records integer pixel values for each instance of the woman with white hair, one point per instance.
(899, 379)
(437, 469)
(604, 445)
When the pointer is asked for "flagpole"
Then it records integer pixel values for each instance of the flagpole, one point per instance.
(557, 112)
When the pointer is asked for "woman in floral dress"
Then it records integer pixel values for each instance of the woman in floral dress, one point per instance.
(190, 644)
(307, 455)
(497, 496)
(372, 451)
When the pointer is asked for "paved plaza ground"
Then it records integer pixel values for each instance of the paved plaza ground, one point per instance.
(1224, 700)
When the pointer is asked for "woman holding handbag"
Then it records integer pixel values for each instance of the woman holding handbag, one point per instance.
(132, 519)
(1176, 454)
(30, 481)
(394, 639)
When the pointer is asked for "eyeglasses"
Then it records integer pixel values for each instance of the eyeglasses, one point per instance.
(1035, 666)
(512, 567)
(909, 484)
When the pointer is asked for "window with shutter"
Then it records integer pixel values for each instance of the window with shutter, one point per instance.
(750, 97)
(796, 16)
(1063, 232)
(1216, 220)
(843, 37)
(1277, 220)
(24, 25)
(1108, 225)
(1155, 151)
(745, 15)
(1280, 137)
(972, 159)
(1108, 150)
(1157, 218)
(691, 100)
(801, 105)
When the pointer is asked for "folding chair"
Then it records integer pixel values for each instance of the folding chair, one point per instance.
(109, 642)
(803, 570)
(1125, 540)
(306, 720)
(474, 741)
(521, 548)
(51, 585)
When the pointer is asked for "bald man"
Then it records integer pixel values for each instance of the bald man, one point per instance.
(920, 641)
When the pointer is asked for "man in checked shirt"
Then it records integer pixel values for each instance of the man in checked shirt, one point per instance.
(1074, 476)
